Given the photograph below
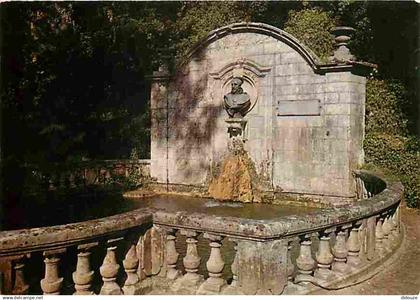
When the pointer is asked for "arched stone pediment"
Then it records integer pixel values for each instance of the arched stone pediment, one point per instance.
(259, 28)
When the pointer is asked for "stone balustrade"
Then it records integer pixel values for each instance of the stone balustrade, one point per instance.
(138, 252)
(82, 174)
(289, 255)
(71, 247)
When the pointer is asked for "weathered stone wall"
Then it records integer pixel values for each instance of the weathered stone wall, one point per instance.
(304, 132)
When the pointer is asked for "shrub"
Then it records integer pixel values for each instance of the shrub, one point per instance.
(312, 27)
(387, 143)
(384, 107)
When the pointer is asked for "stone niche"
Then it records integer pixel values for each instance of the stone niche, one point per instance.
(304, 131)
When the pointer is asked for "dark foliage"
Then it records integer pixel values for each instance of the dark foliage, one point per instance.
(73, 74)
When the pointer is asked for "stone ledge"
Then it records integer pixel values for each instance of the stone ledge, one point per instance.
(24, 241)
(285, 226)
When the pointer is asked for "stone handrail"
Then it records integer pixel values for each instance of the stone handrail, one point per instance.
(271, 256)
(23, 241)
(17, 246)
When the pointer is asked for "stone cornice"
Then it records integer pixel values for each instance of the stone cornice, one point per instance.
(294, 43)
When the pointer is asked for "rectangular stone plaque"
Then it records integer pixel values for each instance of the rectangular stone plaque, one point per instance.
(298, 108)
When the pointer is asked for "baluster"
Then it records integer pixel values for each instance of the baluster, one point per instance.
(324, 256)
(60, 180)
(20, 287)
(51, 283)
(386, 228)
(57, 180)
(191, 263)
(353, 246)
(171, 254)
(391, 235)
(340, 252)
(50, 179)
(215, 265)
(131, 263)
(379, 246)
(107, 175)
(362, 236)
(66, 179)
(395, 231)
(109, 270)
(72, 181)
(83, 275)
(191, 259)
(234, 266)
(232, 288)
(305, 263)
(290, 265)
(365, 192)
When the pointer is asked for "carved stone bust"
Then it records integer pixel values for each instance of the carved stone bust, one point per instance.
(237, 102)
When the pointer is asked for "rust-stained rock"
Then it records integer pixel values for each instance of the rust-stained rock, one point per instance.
(236, 181)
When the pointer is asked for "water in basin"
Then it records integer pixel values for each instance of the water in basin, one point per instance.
(256, 211)
(47, 211)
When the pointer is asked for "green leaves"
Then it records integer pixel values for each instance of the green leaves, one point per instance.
(312, 26)
(196, 19)
(388, 144)
(385, 101)
(73, 72)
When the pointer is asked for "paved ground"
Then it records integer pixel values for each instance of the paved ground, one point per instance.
(403, 276)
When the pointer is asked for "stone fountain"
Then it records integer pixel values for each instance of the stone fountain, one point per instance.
(252, 115)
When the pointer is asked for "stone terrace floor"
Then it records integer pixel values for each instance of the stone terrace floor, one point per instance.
(403, 276)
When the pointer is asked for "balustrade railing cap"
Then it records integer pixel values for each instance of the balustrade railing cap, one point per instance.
(57, 237)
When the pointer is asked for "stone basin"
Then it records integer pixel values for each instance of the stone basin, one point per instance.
(34, 212)
(256, 211)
